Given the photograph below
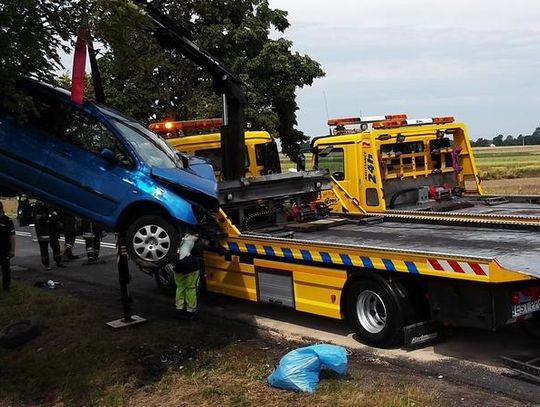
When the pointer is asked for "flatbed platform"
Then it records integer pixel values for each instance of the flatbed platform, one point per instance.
(517, 209)
(516, 250)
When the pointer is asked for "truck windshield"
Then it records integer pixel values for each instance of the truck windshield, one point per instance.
(152, 150)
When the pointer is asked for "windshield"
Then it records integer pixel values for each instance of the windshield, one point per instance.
(152, 150)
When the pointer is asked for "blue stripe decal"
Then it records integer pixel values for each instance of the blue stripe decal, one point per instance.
(367, 262)
(389, 265)
(287, 253)
(269, 251)
(251, 248)
(306, 255)
(411, 267)
(325, 257)
(346, 259)
(233, 246)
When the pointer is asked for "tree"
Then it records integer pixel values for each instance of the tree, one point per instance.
(151, 83)
(31, 34)
(498, 141)
(148, 82)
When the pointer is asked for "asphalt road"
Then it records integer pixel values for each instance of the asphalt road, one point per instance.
(465, 355)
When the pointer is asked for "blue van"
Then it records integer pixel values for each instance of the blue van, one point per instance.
(102, 165)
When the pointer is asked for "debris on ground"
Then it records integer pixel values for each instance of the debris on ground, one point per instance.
(299, 369)
(48, 284)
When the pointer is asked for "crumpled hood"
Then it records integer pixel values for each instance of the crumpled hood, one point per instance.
(189, 184)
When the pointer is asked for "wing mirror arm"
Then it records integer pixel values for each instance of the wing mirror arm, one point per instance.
(185, 160)
(109, 155)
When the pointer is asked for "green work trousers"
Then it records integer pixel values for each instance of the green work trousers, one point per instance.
(186, 290)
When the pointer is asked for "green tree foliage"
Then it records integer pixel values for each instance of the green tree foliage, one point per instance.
(149, 83)
(31, 34)
(521, 140)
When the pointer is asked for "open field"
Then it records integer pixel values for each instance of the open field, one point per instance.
(508, 162)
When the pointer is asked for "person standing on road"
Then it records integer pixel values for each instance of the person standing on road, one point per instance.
(47, 233)
(7, 247)
(68, 221)
(187, 277)
(92, 239)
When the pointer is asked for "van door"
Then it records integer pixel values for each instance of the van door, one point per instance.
(25, 142)
(81, 176)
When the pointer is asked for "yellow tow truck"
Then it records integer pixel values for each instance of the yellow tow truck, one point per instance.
(396, 279)
(193, 137)
(393, 279)
(396, 166)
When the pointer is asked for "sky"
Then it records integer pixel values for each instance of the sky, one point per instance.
(476, 60)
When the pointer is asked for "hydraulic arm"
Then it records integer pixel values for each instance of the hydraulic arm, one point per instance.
(172, 36)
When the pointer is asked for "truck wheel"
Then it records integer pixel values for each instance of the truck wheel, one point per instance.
(165, 281)
(152, 241)
(375, 314)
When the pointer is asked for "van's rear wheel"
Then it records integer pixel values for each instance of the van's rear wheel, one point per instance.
(375, 314)
(152, 241)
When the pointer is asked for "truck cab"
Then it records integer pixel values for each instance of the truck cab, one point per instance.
(388, 162)
(200, 138)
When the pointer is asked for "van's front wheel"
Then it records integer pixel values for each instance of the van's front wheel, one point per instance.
(152, 241)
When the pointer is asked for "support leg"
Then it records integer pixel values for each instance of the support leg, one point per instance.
(124, 279)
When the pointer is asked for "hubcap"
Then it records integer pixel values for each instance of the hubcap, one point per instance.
(371, 311)
(151, 243)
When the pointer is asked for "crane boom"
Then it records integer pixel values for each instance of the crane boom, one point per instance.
(171, 35)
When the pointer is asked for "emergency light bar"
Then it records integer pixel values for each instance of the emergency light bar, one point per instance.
(398, 122)
(344, 121)
(186, 124)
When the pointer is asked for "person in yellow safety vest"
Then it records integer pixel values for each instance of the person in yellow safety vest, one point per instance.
(187, 276)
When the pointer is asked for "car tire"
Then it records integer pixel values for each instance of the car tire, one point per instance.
(375, 313)
(152, 241)
(165, 281)
(19, 332)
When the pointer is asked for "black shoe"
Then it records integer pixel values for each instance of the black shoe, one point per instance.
(61, 265)
(48, 268)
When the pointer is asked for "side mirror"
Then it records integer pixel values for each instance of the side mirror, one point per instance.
(185, 160)
(109, 155)
(325, 151)
(301, 162)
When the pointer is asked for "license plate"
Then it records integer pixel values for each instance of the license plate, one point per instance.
(525, 308)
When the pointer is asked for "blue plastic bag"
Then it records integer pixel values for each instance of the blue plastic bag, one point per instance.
(299, 369)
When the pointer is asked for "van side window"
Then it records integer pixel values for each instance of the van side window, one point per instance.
(47, 114)
(94, 137)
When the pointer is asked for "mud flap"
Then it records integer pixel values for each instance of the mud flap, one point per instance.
(421, 333)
